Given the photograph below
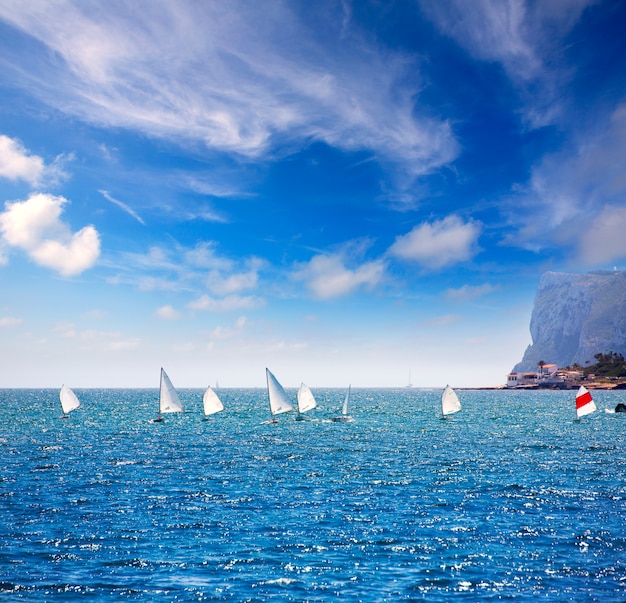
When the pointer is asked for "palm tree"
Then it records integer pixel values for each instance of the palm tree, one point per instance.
(541, 364)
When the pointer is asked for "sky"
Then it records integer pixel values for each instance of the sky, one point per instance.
(345, 192)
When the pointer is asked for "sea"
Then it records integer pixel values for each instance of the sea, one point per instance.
(509, 500)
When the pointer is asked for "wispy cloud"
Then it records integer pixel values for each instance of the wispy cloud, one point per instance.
(603, 241)
(126, 208)
(111, 341)
(243, 81)
(9, 321)
(438, 244)
(235, 282)
(575, 196)
(468, 292)
(193, 271)
(445, 320)
(35, 226)
(524, 37)
(226, 304)
(223, 333)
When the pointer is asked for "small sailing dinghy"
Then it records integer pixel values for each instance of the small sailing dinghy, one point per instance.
(584, 403)
(344, 416)
(279, 401)
(211, 403)
(168, 398)
(69, 401)
(306, 401)
(449, 402)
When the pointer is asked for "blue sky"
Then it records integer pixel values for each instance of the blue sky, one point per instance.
(344, 192)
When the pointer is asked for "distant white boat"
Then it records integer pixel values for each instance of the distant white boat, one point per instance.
(344, 416)
(409, 385)
(69, 401)
(279, 401)
(449, 402)
(584, 402)
(211, 403)
(168, 397)
(306, 401)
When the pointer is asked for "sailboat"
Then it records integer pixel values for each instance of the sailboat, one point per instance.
(584, 403)
(211, 403)
(449, 402)
(409, 385)
(69, 401)
(279, 402)
(344, 411)
(168, 397)
(306, 401)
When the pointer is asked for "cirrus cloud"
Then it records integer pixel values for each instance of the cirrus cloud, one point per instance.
(257, 92)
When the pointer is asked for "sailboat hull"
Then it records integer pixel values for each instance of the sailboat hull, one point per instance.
(342, 419)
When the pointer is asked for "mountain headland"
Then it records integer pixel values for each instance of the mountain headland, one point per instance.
(575, 317)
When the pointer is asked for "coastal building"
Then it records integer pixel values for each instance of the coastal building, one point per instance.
(547, 375)
(521, 379)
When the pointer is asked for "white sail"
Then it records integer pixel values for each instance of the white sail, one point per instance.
(211, 402)
(306, 400)
(279, 402)
(449, 401)
(346, 402)
(168, 398)
(344, 417)
(584, 402)
(69, 401)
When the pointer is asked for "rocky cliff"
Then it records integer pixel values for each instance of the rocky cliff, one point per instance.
(575, 317)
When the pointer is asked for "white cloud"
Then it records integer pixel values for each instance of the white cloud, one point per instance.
(438, 244)
(204, 256)
(17, 164)
(327, 276)
(35, 227)
(468, 292)
(167, 313)
(228, 284)
(226, 304)
(9, 321)
(249, 81)
(224, 333)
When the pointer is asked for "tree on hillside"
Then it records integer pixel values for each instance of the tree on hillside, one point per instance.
(610, 364)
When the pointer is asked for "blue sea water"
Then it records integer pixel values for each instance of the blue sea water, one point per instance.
(511, 500)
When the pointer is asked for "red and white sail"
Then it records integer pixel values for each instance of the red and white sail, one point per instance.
(584, 402)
